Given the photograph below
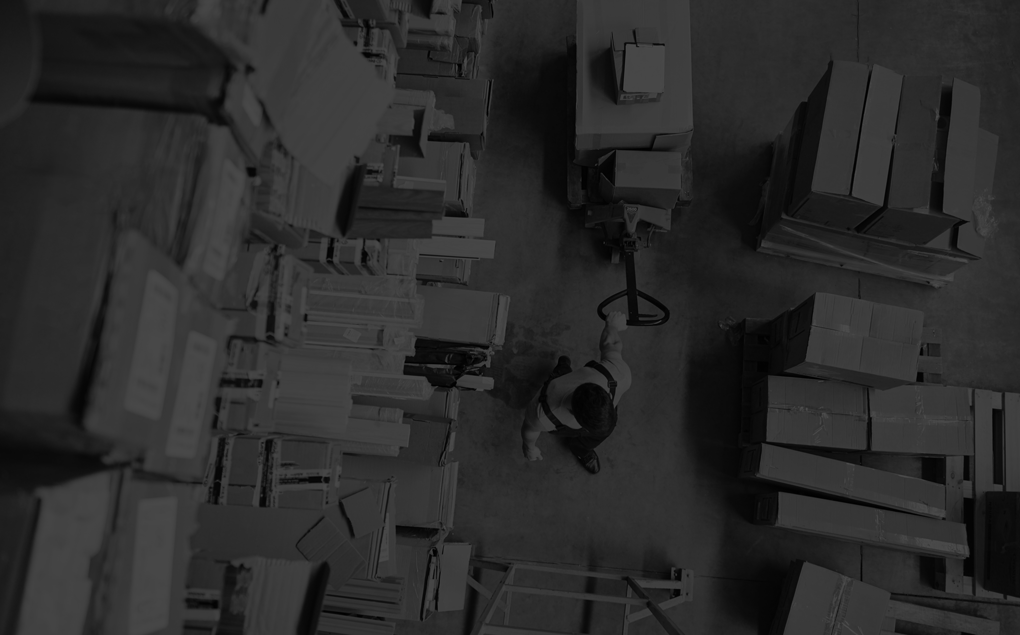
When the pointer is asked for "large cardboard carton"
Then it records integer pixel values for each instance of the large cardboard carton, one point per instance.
(463, 316)
(816, 600)
(795, 411)
(600, 124)
(57, 518)
(1003, 541)
(878, 128)
(467, 100)
(927, 420)
(143, 585)
(914, 198)
(841, 479)
(450, 162)
(963, 111)
(834, 337)
(425, 495)
(968, 236)
(864, 525)
(824, 177)
(643, 178)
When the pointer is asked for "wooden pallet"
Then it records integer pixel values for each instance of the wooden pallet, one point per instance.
(929, 364)
(994, 467)
(926, 616)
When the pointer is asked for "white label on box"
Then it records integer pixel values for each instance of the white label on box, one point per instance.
(192, 396)
(154, 348)
(152, 569)
(224, 223)
(251, 105)
(352, 335)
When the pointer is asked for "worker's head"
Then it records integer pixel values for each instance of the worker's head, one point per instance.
(593, 407)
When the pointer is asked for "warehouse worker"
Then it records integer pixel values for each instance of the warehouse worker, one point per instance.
(580, 405)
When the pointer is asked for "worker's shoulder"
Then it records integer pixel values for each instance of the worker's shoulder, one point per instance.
(613, 360)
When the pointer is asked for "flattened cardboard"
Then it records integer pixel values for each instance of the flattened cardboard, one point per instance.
(878, 128)
(962, 150)
(925, 420)
(362, 510)
(816, 600)
(864, 525)
(842, 479)
(795, 411)
(822, 184)
(600, 124)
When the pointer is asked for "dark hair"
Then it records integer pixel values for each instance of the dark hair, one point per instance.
(593, 407)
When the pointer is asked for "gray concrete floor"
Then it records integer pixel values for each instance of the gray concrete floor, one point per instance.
(667, 494)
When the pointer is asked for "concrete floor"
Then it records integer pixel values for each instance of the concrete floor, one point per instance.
(667, 494)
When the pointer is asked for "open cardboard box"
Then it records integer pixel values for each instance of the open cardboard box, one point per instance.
(639, 65)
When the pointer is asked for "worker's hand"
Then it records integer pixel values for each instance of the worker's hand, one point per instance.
(617, 320)
(532, 453)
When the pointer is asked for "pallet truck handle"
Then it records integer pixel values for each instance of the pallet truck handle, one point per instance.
(634, 318)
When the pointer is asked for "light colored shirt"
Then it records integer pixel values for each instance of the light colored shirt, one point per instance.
(561, 391)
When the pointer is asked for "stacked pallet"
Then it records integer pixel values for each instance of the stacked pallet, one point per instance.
(446, 44)
(883, 173)
(841, 377)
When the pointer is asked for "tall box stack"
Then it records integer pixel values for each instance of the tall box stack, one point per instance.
(835, 337)
(884, 174)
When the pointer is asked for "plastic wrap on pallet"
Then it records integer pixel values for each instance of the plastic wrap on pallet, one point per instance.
(402, 256)
(379, 413)
(331, 336)
(397, 386)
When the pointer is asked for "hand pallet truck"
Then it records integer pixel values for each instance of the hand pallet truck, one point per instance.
(627, 229)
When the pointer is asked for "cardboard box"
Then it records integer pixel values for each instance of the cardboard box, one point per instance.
(822, 185)
(841, 479)
(57, 517)
(1003, 572)
(450, 162)
(322, 96)
(927, 420)
(967, 236)
(463, 316)
(420, 564)
(794, 411)
(431, 442)
(467, 100)
(469, 28)
(601, 125)
(813, 599)
(143, 583)
(914, 199)
(863, 525)
(834, 337)
(878, 128)
(642, 178)
(488, 7)
(964, 111)
(425, 496)
(219, 221)
(639, 65)
(454, 561)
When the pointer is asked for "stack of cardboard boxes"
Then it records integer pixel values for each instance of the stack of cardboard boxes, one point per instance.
(446, 44)
(883, 173)
(842, 375)
(142, 325)
(633, 112)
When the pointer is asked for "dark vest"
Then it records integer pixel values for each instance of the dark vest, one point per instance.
(562, 429)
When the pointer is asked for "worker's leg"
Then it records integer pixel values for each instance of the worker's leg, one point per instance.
(584, 449)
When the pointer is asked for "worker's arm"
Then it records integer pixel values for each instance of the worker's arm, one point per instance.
(610, 341)
(530, 433)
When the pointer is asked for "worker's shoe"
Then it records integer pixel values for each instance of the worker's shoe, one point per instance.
(590, 461)
(562, 367)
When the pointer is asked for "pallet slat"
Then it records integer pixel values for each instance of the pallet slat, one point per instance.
(942, 619)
